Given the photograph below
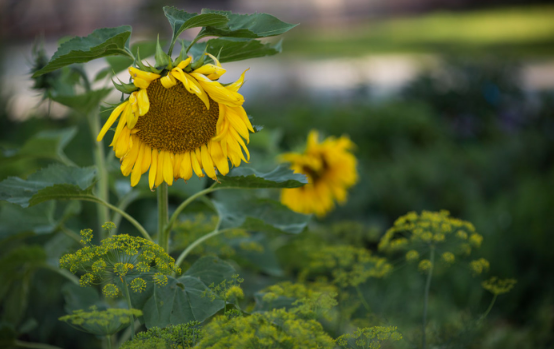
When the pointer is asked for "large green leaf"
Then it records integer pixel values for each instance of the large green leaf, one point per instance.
(182, 300)
(47, 144)
(263, 259)
(244, 177)
(101, 43)
(236, 211)
(38, 219)
(77, 297)
(235, 49)
(179, 302)
(210, 270)
(56, 182)
(258, 25)
(142, 48)
(85, 102)
(181, 20)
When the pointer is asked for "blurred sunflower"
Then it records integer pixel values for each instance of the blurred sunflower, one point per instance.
(179, 122)
(330, 168)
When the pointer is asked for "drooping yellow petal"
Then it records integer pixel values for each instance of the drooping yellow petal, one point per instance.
(123, 143)
(236, 136)
(131, 157)
(160, 169)
(141, 83)
(207, 162)
(121, 123)
(177, 165)
(211, 71)
(143, 102)
(168, 81)
(219, 159)
(113, 116)
(183, 64)
(243, 116)
(202, 94)
(137, 169)
(186, 167)
(218, 92)
(235, 86)
(153, 169)
(237, 123)
(195, 164)
(146, 158)
(147, 76)
(168, 167)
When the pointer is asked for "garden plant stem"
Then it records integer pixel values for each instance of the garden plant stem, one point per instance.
(185, 203)
(427, 288)
(128, 298)
(163, 216)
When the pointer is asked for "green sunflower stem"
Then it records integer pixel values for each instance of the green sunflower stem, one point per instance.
(128, 299)
(163, 217)
(100, 161)
(426, 300)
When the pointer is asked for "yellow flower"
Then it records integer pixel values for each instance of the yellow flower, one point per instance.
(330, 168)
(180, 122)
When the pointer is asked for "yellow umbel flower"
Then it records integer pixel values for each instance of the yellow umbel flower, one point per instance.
(179, 122)
(330, 168)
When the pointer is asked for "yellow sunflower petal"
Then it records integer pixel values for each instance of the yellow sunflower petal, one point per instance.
(183, 64)
(122, 146)
(122, 122)
(219, 159)
(160, 169)
(186, 167)
(153, 169)
(168, 81)
(177, 165)
(168, 167)
(210, 70)
(235, 86)
(113, 116)
(147, 157)
(137, 169)
(207, 162)
(237, 123)
(143, 102)
(195, 164)
(131, 157)
(141, 83)
(147, 76)
(218, 92)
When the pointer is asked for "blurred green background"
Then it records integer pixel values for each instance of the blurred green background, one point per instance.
(451, 106)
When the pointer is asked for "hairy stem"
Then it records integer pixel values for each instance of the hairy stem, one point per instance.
(185, 203)
(128, 299)
(184, 254)
(488, 309)
(100, 161)
(163, 216)
(125, 215)
(426, 301)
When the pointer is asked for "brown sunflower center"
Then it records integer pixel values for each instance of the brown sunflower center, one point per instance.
(177, 120)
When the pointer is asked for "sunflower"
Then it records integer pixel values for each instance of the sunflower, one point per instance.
(179, 121)
(330, 168)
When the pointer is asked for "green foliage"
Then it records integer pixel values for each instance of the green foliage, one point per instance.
(370, 338)
(84, 103)
(180, 336)
(274, 329)
(101, 322)
(257, 25)
(235, 49)
(101, 43)
(51, 183)
(181, 20)
(249, 178)
(258, 215)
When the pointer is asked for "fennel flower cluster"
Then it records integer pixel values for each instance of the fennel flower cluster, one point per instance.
(370, 337)
(101, 322)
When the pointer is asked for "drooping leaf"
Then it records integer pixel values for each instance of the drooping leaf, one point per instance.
(263, 259)
(77, 297)
(258, 25)
(257, 214)
(47, 144)
(38, 219)
(210, 270)
(244, 177)
(101, 43)
(85, 102)
(237, 49)
(181, 20)
(54, 182)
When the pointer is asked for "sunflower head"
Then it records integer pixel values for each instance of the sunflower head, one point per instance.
(330, 168)
(179, 120)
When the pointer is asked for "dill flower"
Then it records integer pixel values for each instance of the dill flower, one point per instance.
(498, 286)
(274, 329)
(180, 336)
(101, 322)
(331, 170)
(120, 258)
(479, 266)
(179, 121)
(425, 265)
(370, 337)
(228, 290)
(448, 257)
(412, 255)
